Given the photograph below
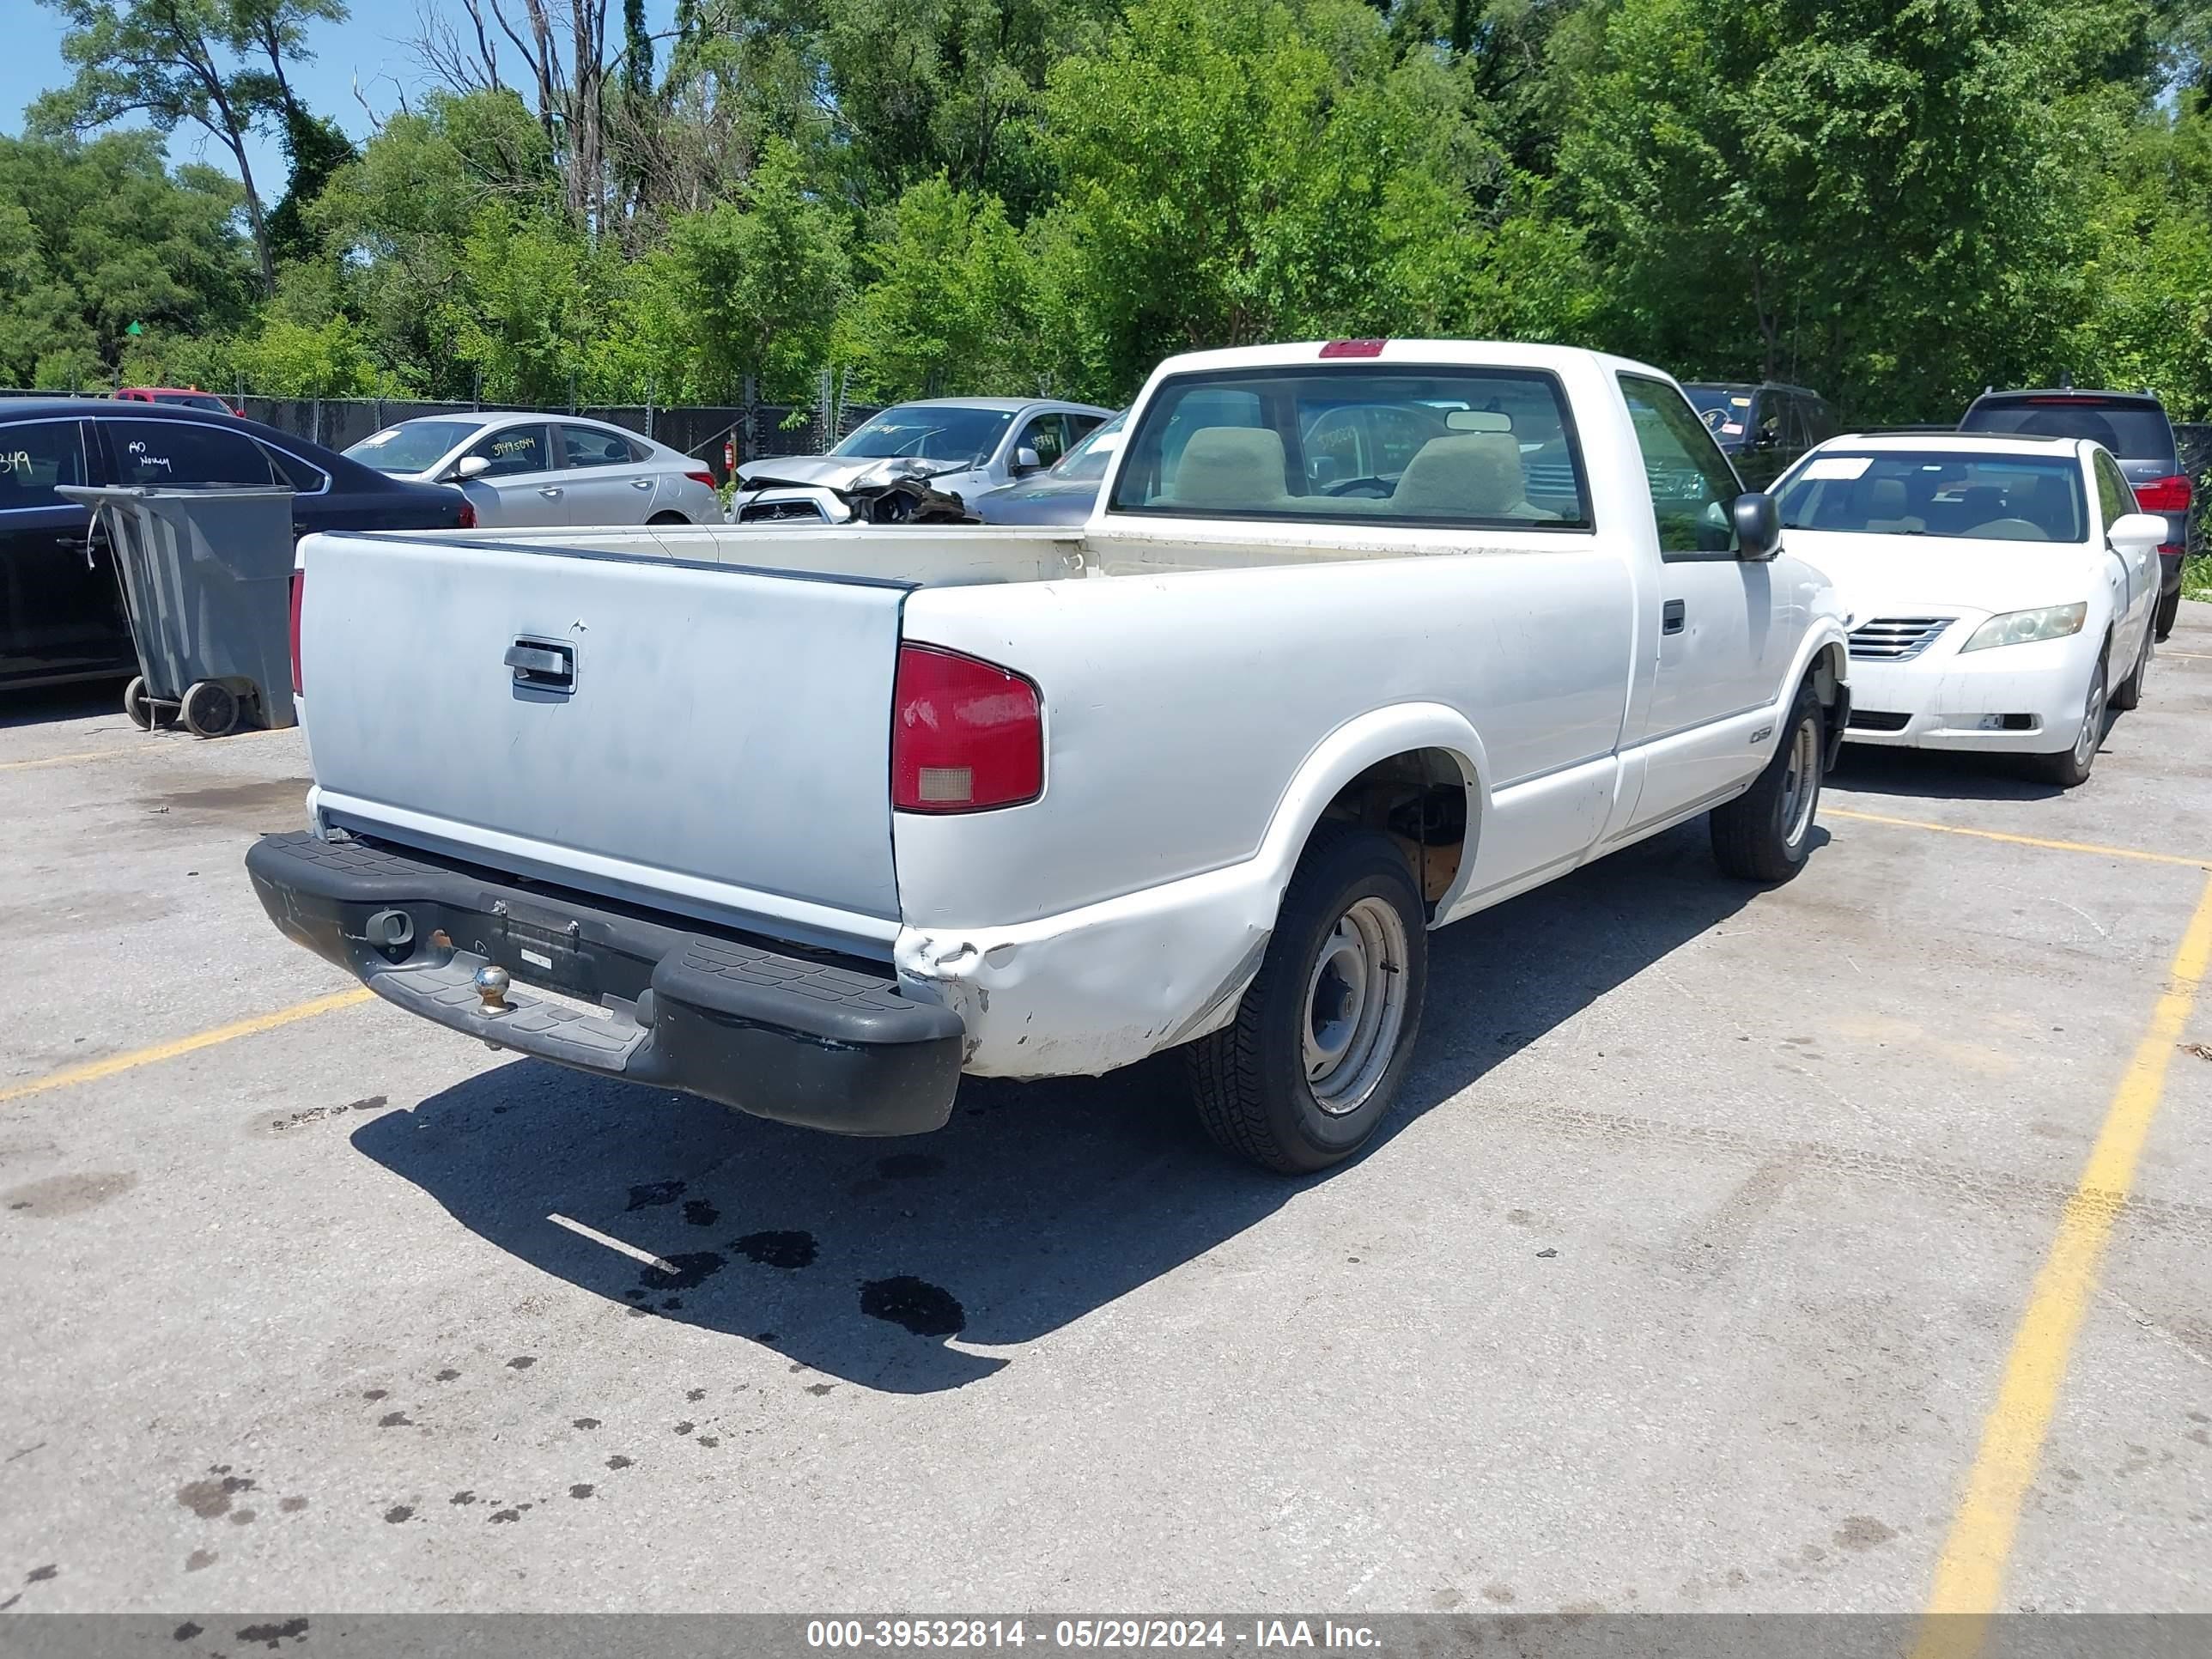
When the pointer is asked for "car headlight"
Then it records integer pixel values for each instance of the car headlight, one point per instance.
(2053, 622)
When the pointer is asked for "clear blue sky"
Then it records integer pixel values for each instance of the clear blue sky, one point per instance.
(374, 47)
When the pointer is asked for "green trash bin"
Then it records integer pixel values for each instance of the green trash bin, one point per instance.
(207, 585)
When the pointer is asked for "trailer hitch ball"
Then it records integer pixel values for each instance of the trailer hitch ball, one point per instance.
(491, 983)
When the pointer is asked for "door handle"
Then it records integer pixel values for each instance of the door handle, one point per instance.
(541, 666)
(641, 484)
(1670, 616)
(549, 491)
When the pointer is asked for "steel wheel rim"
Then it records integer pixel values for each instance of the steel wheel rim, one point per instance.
(1801, 782)
(2093, 711)
(1355, 1007)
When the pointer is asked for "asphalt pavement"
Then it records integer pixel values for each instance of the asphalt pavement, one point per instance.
(1842, 1245)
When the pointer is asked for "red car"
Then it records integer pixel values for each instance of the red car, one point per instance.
(190, 395)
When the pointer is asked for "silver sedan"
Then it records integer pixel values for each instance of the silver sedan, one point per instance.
(547, 470)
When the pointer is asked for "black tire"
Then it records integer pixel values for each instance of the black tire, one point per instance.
(668, 519)
(2069, 767)
(2128, 694)
(138, 707)
(1765, 833)
(1250, 1080)
(2169, 607)
(210, 709)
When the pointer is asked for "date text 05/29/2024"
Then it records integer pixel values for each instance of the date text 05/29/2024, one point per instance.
(832, 1634)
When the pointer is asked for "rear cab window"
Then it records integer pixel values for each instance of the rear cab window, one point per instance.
(2134, 429)
(1411, 446)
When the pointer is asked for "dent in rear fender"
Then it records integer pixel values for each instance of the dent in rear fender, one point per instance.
(1100, 987)
(1108, 984)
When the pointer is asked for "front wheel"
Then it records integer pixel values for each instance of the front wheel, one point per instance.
(2128, 694)
(1765, 833)
(210, 709)
(2070, 767)
(1309, 1067)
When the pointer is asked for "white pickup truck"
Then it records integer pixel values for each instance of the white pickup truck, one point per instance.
(1363, 638)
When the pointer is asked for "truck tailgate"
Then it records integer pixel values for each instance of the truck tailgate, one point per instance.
(707, 740)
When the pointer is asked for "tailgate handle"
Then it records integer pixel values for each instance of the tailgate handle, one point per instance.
(543, 666)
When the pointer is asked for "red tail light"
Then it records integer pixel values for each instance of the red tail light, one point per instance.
(966, 735)
(2165, 494)
(702, 477)
(1353, 348)
(468, 514)
(299, 592)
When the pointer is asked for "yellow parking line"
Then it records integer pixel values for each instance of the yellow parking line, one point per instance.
(2021, 840)
(94, 1070)
(124, 752)
(1970, 1574)
(65, 760)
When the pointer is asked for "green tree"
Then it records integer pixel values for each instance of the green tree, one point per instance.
(1243, 170)
(98, 234)
(946, 309)
(761, 280)
(185, 63)
(1888, 200)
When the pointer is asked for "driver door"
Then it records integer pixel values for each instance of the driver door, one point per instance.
(1718, 650)
(523, 482)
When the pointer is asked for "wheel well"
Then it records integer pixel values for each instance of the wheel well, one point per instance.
(1420, 800)
(1828, 674)
(668, 518)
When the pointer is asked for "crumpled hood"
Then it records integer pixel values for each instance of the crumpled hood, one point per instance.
(1878, 575)
(836, 472)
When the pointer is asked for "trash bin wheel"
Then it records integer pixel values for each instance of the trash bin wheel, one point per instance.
(210, 709)
(138, 707)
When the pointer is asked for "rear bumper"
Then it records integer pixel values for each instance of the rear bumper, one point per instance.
(803, 1040)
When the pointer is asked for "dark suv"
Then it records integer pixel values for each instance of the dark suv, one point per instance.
(1763, 426)
(2134, 427)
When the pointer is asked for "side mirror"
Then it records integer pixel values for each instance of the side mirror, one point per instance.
(471, 466)
(1026, 459)
(2137, 530)
(1757, 522)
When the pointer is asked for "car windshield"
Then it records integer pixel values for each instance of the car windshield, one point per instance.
(2018, 498)
(1087, 462)
(1722, 409)
(2130, 428)
(928, 432)
(1409, 446)
(412, 446)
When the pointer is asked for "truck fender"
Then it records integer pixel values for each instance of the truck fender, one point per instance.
(1350, 750)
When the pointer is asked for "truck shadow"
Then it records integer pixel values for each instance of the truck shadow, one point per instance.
(867, 1261)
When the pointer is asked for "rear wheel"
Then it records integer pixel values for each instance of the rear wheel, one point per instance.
(2169, 607)
(668, 518)
(138, 707)
(2070, 767)
(1309, 1067)
(1765, 833)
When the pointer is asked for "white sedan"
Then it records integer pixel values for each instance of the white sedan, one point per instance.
(2000, 589)
(547, 470)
